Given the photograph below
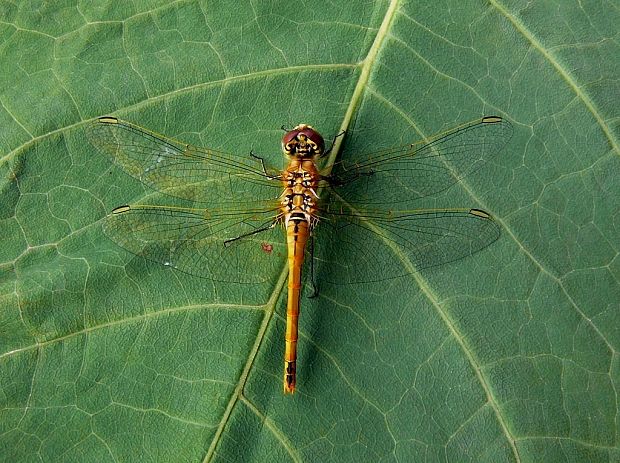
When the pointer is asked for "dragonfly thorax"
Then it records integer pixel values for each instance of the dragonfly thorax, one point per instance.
(299, 198)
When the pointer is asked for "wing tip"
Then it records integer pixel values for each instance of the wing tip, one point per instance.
(492, 119)
(107, 120)
(480, 213)
(120, 209)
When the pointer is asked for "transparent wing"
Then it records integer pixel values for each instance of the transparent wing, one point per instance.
(239, 246)
(354, 246)
(178, 169)
(421, 169)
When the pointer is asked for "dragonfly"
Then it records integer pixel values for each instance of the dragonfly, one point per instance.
(225, 224)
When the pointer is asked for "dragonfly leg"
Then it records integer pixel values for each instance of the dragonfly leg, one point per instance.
(313, 286)
(253, 232)
(335, 180)
(332, 179)
(262, 163)
(333, 143)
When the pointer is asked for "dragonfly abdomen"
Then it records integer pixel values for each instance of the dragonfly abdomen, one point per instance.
(297, 233)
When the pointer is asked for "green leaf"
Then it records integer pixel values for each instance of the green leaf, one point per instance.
(510, 355)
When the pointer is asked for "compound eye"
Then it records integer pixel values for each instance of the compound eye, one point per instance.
(289, 140)
(314, 139)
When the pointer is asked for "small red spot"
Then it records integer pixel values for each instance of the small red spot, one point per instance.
(267, 248)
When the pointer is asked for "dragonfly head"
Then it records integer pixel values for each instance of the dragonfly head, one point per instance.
(303, 141)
